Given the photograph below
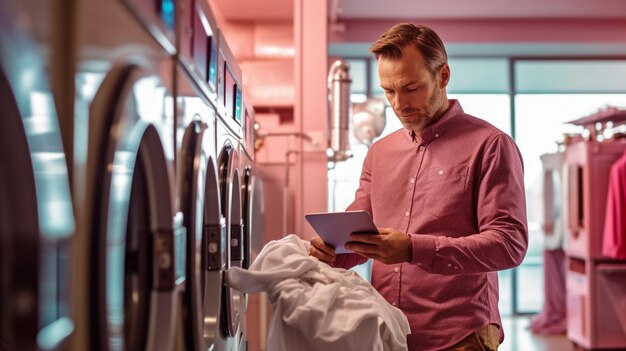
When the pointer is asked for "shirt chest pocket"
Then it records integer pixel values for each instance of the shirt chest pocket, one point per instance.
(445, 190)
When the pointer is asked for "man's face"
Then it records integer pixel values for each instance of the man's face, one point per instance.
(414, 94)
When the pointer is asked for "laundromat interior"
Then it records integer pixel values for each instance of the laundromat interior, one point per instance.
(152, 150)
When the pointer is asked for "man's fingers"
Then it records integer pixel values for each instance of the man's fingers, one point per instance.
(321, 251)
(368, 238)
(321, 255)
(361, 248)
(322, 246)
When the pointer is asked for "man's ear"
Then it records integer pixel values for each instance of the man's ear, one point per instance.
(444, 75)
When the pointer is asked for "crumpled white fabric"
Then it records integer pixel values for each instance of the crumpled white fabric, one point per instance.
(316, 306)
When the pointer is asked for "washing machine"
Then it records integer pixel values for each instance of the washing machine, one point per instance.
(229, 138)
(133, 241)
(36, 216)
(204, 200)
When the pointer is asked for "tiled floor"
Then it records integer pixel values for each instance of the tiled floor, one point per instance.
(519, 338)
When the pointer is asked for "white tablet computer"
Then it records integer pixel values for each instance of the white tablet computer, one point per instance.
(334, 227)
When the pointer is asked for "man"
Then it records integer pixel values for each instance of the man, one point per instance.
(447, 194)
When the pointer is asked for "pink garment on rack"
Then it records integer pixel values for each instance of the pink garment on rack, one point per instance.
(614, 240)
(553, 316)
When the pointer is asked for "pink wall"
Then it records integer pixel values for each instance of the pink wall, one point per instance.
(311, 109)
(494, 30)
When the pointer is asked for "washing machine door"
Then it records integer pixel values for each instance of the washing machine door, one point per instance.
(207, 239)
(133, 268)
(36, 220)
(230, 194)
(248, 198)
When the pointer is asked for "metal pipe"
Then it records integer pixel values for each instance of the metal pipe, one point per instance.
(286, 193)
(339, 110)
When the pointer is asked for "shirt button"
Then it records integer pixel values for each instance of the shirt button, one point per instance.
(449, 264)
(406, 213)
(394, 303)
(412, 180)
(396, 269)
(419, 264)
(456, 267)
(436, 135)
(440, 172)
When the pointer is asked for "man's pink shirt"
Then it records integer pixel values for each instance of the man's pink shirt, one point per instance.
(458, 191)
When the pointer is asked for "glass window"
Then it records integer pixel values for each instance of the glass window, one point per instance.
(358, 73)
(540, 124)
(570, 76)
(493, 108)
(478, 76)
(375, 79)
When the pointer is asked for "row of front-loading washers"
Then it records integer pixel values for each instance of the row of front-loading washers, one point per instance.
(125, 193)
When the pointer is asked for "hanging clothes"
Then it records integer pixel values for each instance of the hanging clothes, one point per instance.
(614, 238)
(553, 316)
(552, 319)
(554, 211)
(316, 306)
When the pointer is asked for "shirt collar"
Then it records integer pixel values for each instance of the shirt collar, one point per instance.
(440, 127)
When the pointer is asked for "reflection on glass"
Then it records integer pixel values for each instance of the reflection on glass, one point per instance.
(200, 258)
(119, 198)
(238, 102)
(48, 337)
(42, 119)
(121, 180)
(180, 248)
(147, 93)
(213, 64)
(87, 84)
(55, 214)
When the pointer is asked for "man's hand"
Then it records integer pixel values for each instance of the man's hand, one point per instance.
(391, 246)
(321, 251)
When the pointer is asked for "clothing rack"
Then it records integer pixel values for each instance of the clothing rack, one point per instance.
(602, 125)
(594, 316)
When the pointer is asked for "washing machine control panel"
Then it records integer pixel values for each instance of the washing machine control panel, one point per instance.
(236, 242)
(216, 239)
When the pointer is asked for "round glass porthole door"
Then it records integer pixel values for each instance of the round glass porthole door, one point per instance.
(19, 235)
(248, 198)
(215, 257)
(206, 250)
(231, 209)
(137, 261)
(36, 217)
(133, 238)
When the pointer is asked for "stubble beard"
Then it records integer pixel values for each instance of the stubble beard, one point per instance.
(426, 115)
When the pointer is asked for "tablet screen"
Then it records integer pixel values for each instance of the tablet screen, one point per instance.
(334, 227)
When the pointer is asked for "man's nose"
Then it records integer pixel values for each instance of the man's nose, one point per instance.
(401, 101)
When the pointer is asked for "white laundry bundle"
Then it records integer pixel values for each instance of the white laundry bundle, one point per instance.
(318, 307)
